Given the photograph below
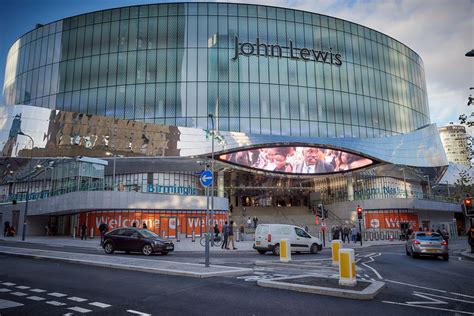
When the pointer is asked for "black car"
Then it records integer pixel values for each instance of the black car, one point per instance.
(136, 240)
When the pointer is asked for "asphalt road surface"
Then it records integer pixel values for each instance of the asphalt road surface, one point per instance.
(422, 286)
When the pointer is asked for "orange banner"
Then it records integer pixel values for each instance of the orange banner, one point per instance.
(390, 220)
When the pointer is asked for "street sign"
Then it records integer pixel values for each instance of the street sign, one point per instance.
(206, 178)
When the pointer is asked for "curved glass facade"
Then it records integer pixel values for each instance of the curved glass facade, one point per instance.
(175, 63)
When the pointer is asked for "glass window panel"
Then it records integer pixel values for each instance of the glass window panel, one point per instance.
(112, 70)
(44, 50)
(369, 117)
(254, 100)
(122, 68)
(161, 65)
(96, 39)
(133, 34)
(172, 32)
(92, 102)
(105, 40)
(151, 66)
(152, 33)
(104, 64)
(123, 43)
(131, 67)
(110, 102)
(284, 102)
(69, 76)
(202, 32)
(141, 66)
(139, 102)
(171, 108)
(130, 102)
(191, 104)
(86, 66)
(88, 40)
(192, 31)
(361, 111)
(171, 65)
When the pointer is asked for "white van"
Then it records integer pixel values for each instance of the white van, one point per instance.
(268, 236)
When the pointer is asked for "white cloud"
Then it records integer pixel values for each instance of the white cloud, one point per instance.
(440, 31)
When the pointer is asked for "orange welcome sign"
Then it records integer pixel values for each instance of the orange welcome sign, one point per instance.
(389, 220)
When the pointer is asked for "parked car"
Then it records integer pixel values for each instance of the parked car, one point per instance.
(136, 240)
(427, 243)
(268, 236)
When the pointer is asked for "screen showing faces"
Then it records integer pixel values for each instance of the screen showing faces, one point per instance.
(297, 160)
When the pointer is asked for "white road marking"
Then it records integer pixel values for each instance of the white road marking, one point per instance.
(431, 300)
(9, 304)
(18, 294)
(259, 273)
(3, 290)
(280, 275)
(35, 298)
(77, 299)
(80, 309)
(137, 312)
(68, 314)
(8, 283)
(375, 271)
(99, 304)
(55, 294)
(447, 298)
(55, 303)
(461, 294)
(421, 287)
(366, 275)
(429, 307)
(370, 254)
(38, 290)
(22, 287)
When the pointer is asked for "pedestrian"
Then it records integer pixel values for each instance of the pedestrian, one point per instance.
(216, 231)
(11, 232)
(231, 208)
(144, 225)
(346, 232)
(46, 230)
(134, 224)
(306, 229)
(445, 235)
(83, 231)
(242, 232)
(249, 222)
(231, 236)
(6, 229)
(255, 222)
(354, 234)
(225, 231)
(102, 229)
(244, 212)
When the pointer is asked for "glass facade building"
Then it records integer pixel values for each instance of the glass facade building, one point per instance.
(174, 63)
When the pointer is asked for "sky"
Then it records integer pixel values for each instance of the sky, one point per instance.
(440, 31)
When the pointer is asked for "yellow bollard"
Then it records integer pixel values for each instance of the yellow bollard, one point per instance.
(285, 250)
(335, 246)
(347, 269)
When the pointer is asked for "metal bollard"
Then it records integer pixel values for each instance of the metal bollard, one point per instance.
(74, 233)
(347, 267)
(335, 246)
(382, 235)
(285, 250)
(193, 237)
(376, 235)
(237, 235)
(177, 237)
(92, 233)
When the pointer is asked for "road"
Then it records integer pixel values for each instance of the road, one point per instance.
(413, 287)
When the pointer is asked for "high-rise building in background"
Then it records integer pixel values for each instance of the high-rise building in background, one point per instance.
(454, 139)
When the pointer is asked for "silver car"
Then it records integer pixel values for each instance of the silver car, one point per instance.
(427, 243)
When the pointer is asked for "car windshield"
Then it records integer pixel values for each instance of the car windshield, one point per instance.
(147, 233)
(428, 236)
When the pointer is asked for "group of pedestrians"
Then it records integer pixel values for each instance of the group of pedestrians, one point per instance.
(346, 233)
(228, 233)
(254, 220)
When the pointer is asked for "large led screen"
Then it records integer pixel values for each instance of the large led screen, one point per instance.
(297, 160)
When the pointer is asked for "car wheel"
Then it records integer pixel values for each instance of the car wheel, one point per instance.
(314, 249)
(446, 257)
(109, 248)
(276, 250)
(164, 253)
(262, 252)
(147, 250)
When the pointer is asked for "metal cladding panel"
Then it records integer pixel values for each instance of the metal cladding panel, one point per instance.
(59, 133)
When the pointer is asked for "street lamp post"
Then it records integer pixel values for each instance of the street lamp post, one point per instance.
(211, 116)
(23, 233)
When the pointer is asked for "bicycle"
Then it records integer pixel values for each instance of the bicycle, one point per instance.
(217, 240)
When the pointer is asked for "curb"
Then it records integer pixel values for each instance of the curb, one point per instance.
(467, 255)
(368, 293)
(231, 271)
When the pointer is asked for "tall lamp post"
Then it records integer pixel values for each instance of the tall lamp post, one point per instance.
(23, 233)
(211, 116)
(359, 216)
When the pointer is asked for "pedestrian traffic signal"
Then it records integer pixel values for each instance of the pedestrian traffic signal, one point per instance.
(359, 212)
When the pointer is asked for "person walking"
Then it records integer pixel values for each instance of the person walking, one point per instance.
(216, 231)
(102, 229)
(83, 231)
(242, 232)
(144, 226)
(6, 229)
(225, 231)
(231, 236)
(46, 229)
(354, 234)
(346, 232)
(255, 222)
(249, 222)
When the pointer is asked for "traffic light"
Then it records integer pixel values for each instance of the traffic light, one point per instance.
(319, 210)
(359, 212)
(468, 205)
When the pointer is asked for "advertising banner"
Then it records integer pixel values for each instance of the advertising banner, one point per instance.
(389, 220)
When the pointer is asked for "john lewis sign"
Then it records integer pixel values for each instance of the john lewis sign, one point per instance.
(291, 52)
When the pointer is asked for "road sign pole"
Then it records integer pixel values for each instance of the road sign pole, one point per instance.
(207, 229)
